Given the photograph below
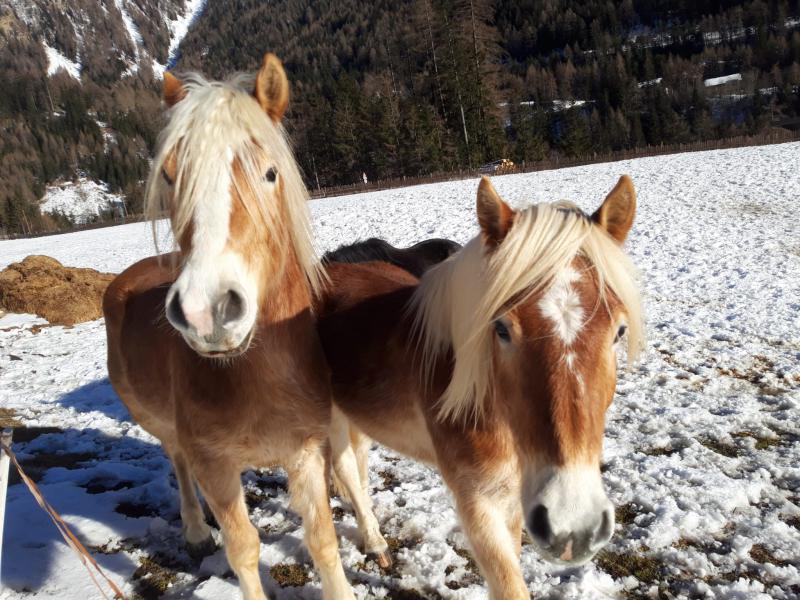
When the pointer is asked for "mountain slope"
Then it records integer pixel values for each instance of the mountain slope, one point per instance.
(388, 89)
(80, 96)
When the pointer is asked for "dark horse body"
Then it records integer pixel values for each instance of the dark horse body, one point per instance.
(415, 259)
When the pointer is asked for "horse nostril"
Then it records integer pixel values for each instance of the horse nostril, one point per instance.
(606, 529)
(540, 523)
(175, 313)
(232, 307)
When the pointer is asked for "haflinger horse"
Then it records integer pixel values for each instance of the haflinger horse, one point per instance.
(497, 367)
(235, 374)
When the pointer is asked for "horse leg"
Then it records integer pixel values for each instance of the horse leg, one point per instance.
(484, 518)
(222, 487)
(514, 523)
(196, 532)
(308, 489)
(361, 443)
(346, 467)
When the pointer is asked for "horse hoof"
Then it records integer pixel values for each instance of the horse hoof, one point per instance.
(202, 549)
(384, 559)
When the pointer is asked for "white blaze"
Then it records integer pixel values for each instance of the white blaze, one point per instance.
(562, 306)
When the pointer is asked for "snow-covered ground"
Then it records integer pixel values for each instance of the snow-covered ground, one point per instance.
(57, 61)
(702, 453)
(180, 26)
(80, 200)
(715, 81)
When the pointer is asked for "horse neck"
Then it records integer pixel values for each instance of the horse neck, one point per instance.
(288, 295)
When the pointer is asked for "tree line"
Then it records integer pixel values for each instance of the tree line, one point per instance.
(407, 88)
(402, 89)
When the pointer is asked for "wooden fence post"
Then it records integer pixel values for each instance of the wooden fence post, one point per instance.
(5, 461)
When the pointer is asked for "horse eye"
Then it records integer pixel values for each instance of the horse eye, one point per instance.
(620, 333)
(271, 175)
(502, 331)
(166, 177)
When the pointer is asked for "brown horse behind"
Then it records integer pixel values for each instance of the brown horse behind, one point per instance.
(497, 367)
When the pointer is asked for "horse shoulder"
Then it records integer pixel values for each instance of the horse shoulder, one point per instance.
(142, 276)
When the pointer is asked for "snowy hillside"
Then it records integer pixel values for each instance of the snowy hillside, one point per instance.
(81, 201)
(702, 449)
(89, 25)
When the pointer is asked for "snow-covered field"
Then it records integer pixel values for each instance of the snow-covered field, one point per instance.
(702, 454)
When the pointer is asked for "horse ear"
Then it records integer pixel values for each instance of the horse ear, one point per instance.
(172, 89)
(272, 87)
(494, 216)
(618, 209)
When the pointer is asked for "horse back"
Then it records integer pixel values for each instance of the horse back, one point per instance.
(354, 283)
(366, 335)
(416, 259)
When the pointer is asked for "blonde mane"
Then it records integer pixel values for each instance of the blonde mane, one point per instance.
(457, 301)
(215, 122)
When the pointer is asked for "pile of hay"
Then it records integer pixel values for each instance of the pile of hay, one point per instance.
(43, 286)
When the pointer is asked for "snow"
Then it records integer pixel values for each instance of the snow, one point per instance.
(81, 201)
(559, 105)
(57, 61)
(133, 34)
(8, 321)
(180, 27)
(702, 447)
(649, 82)
(714, 81)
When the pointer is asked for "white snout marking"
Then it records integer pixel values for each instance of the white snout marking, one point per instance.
(210, 267)
(574, 497)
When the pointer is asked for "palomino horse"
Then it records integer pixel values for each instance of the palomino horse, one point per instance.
(235, 375)
(497, 367)
(415, 259)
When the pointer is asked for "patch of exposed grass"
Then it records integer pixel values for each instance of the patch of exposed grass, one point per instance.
(719, 447)
(471, 565)
(762, 442)
(624, 564)
(761, 554)
(406, 595)
(253, 498)
(625, 514)
(684, 543)
(135, 511)
(289, 575)
(793, 521)
(36, 466)
(787, 437)
(27, 434)
(396, 544)
(755, 374)
(151, 580)
(472, 576)
(390, 481)
(717, 545)
(7, 418)
(662, 450)
(106, 549)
